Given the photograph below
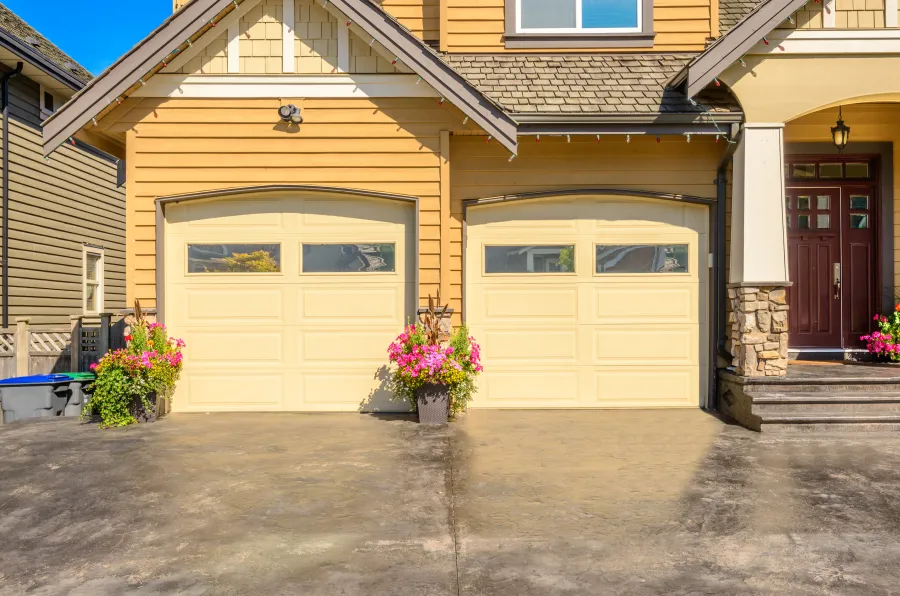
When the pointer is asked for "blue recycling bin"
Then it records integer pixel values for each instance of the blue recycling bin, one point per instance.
(38, 396)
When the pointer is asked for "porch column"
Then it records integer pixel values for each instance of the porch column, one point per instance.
(758, 265)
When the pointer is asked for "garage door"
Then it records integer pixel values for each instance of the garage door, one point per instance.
(589, 302)
(287, 303)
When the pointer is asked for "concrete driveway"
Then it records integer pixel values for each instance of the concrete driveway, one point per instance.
(501, 503)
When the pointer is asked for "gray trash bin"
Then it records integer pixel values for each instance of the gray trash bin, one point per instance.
(40, 396)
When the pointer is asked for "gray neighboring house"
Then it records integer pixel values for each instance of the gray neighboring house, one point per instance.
(63, 232)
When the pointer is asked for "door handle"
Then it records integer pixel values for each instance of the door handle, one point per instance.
(837, 281)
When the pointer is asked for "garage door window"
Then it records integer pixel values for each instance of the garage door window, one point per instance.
(529, 259)
(642, 258)
(234, 258)
(364, 257)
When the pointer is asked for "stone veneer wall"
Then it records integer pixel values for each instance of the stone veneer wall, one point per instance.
(758, 332)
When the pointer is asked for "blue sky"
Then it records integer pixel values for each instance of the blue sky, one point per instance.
(94, 32)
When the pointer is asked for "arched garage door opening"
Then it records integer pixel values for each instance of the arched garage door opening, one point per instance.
(287, 298)
(596, 301)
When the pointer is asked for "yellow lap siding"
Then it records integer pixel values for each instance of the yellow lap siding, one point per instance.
(183, 146)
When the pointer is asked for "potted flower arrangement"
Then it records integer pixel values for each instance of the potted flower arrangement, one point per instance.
(135, 383)
(885, 342)
(436, 375)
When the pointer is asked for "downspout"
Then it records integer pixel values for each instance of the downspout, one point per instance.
(5, 228)
(720, 283)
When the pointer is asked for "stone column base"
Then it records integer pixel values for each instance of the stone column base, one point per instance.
(758, 332)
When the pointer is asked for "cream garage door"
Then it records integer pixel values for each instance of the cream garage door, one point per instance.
(589, 302)
(287, 303)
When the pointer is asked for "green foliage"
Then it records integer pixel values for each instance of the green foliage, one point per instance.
(256, 262)
(567, 259)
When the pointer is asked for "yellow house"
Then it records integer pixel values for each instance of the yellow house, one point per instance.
(619, 197)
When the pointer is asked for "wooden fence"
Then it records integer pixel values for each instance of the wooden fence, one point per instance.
(51, 349)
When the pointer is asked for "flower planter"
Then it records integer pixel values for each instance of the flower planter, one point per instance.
(142, 414)
(433, 402)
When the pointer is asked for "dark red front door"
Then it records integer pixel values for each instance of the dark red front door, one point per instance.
(814, 258)
(832, 259)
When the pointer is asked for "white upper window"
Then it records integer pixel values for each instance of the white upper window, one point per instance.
(578, 16)
(49, 103)
(93, 280)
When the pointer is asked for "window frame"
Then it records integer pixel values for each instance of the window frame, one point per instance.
(45, 113)
(516, 38)
(579, 4)
(303, 243)
(232, 274)
(101, 278)
(530, 274)
(662, 274)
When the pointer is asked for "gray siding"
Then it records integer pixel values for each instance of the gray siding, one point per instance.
(55, 208)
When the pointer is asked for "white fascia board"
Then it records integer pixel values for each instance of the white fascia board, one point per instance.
(830, 41)
(269, 86)
(232, 18)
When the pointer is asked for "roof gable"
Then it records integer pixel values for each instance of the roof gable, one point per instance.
(197, 18)
(729, 48)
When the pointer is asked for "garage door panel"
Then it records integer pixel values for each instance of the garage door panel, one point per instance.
(234, 348)
(347, 348)
(534, 344)
(637, 344)
(636, 215)
(616, 303)
(221, 392)
(236, 304)
(513, 387)
(663, 386)
(243, 215)
(535, 303)
(346, 214)
(350, 391)
(348, 304)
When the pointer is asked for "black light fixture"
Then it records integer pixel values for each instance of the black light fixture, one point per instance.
(840, 134)
(290, 113)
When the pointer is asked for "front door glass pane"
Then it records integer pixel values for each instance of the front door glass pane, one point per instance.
(823, 221)
(234, 258)
(859, 221)
(802, 222)
(857, 170)
(823, 203)
(642, 258)
(859, 202)
(831, 170)
(803, 203)
(807, 170)
(787, 203)
(548, 14)
(349, 258)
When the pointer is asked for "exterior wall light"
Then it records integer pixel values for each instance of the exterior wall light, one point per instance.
(290, 113)
(840, 134)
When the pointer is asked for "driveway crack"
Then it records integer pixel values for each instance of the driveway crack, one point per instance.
(451, 495)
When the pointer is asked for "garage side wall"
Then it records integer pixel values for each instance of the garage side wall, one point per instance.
(481, 170)
(185, 146)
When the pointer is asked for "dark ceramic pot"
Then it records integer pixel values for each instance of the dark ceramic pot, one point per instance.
(433, 403)
(142, 414)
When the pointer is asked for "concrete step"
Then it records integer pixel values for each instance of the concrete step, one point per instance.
(831, 422)
(870, 402)
(827, 386)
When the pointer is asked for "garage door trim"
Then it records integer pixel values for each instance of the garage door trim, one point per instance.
(162, 202)
(717, 269)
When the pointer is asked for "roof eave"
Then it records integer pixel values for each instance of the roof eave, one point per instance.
(36, 58)
(631, 124)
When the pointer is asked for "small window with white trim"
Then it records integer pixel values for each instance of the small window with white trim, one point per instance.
(578, 16)
(92, 279)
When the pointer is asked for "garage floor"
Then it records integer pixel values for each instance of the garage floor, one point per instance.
(511, 503)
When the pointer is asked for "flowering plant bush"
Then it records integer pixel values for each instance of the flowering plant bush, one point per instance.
(886, 341)
(151, 363)
(454, 363)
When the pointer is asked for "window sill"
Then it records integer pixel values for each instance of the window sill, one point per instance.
(642, 39)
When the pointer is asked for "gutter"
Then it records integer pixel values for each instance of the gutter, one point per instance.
(26, 52)
(4, 234)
